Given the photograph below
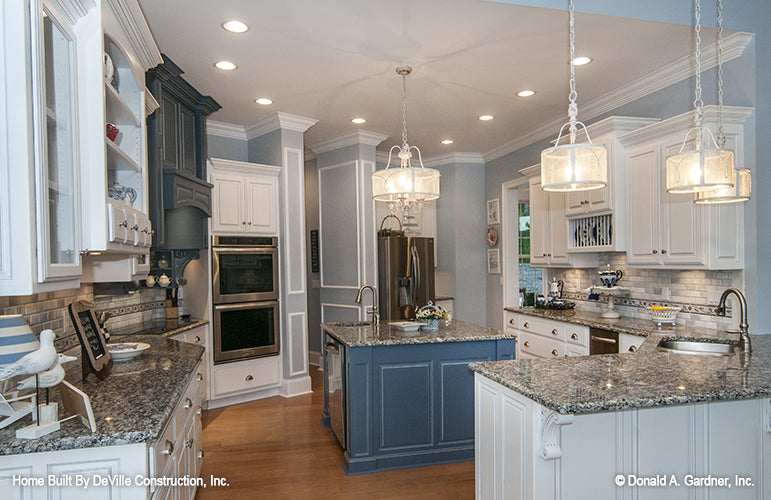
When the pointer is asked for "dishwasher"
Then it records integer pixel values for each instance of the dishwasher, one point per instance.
(335, 373)
(602, 341)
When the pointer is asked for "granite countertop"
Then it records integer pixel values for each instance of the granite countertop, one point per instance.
(132, 405)
(646, 378)
(632, 326)
(161, 327)
(385, 334)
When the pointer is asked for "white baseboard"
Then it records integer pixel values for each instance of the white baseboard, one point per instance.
(241, 398)
(295, 387)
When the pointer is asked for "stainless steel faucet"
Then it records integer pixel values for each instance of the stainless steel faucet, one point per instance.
(743, 326)
(373, 311)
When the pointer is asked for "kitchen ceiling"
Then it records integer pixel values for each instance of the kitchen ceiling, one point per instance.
(335, 60)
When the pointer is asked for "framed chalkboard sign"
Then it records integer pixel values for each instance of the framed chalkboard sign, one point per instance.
(96, 358)
(314, 250)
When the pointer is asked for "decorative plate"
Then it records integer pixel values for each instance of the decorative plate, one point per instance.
(406, 326)
(492, 236)
(127, 350)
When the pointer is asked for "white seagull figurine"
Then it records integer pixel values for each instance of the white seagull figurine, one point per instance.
(49, 378)
(34, 362)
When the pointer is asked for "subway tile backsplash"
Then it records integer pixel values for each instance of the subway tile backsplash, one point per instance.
(49, 310)
(695, 291)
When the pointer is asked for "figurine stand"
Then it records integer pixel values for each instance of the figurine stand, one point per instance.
(612, 291)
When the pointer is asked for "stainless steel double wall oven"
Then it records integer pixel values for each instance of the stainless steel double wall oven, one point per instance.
(245, 294)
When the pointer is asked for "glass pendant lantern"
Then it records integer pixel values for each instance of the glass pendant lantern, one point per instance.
(406, 187)
(574, 167)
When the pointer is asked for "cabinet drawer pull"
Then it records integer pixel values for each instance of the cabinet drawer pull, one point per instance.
(243, 222)
(554, 332)
(632, 348)
(188, 403)
(554, 352)
(169, 448)
(189, 443)
(197, 339)
(249, 378)
(199, 377)
(574, 336)
(655, 251)
(527, 343)
(526, 325)
(663, 251)
(200, 454)
(199, 410)
(603, 339)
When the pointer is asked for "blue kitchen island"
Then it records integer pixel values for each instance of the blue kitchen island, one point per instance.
(401, 399)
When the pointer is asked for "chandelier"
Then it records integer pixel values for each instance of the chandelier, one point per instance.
(706, 167)
(405, 187)
(574, 167)
(742, 182)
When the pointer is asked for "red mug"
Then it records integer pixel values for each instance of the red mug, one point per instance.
(112, 132)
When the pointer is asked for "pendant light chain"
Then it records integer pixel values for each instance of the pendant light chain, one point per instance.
(572, 106)
(720, 130)
(697, 102)
(404, 111)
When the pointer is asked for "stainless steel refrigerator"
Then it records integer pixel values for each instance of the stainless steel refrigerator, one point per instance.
(406, 275)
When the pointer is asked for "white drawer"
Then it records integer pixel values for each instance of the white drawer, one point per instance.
(629, 343)
(511, 320)
(187, 406)
(541, 347)
(577, 334)
(539, 326)
(244, 376)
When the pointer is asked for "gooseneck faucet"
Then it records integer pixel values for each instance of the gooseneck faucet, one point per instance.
(373, 311)
(743, 326)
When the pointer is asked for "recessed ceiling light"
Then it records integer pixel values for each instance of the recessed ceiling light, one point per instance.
(225, 65)
(526, 93)
(358, 121)
(264, 101)
(447, 141)
(486, 118)
(235, 26)
(581, 60)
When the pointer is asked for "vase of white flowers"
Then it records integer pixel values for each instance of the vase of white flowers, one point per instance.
(430, 315)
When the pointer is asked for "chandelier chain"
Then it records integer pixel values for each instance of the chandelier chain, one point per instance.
(572, 106)
(697, 102)
(404, 112)
(720, 130)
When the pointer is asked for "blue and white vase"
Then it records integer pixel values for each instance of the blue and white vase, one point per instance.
(430, 324)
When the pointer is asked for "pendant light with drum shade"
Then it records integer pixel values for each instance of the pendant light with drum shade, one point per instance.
(405, 188)
(574, 167)
(742, 188)
(706, 167)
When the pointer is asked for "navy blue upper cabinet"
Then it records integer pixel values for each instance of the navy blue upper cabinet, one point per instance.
(180, 197)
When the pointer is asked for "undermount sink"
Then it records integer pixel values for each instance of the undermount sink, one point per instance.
(703, 348)
(353, 323)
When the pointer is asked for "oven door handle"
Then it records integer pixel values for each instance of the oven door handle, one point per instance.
(332, 348)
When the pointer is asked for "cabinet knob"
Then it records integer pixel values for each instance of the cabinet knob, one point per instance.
(168, 449)
(554, 332)
(189, 443)
(574, 336)
(123, 223)
(243, 222)
(135, 227)
(554, 352)
(199, 410)
(144, 230)
(249, 378)
(632, 348)
(544, 255)
(527, 343)
(199, 377)
(511, 321)
(526, 325)
(188, 403)
(548, 255)
(250, 223)
(655, 251)
(663, 251)
(200, 454)
(197, 338)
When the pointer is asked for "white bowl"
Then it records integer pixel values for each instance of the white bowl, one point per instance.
(126, 350)
(407, 326)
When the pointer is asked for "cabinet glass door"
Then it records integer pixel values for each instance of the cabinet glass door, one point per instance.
(56, 153)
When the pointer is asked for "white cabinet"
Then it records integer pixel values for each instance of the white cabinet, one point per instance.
(525, 451)
(233, 379)
(549, 228)
(199, 336)
(545, 338)
(669, 230)
(245, 197)
(629, 343)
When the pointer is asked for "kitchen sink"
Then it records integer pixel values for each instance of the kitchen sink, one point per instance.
(353, 323)
(703, 348)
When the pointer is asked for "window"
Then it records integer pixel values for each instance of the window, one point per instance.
(530, 278)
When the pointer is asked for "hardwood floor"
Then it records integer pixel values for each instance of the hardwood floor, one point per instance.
(276, 448)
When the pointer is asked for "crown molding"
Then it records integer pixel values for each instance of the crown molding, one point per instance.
(277, 121)
(732, 115)
(531, 171)
(685, 67)
(612, 125)
(131, 19)
(244, 166)
(349, 139)
(74, 10)
(453, 158)
(228, 130)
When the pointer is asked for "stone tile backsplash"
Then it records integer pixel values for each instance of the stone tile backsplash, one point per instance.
(49, 310)
(695, 291)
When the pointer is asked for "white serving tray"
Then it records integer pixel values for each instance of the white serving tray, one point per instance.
(406, 326)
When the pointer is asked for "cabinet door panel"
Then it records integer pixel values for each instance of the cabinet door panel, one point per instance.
(228, 204)
(261, 212)
(170, 140)
(558, 230)
(538, 217)
(642, 191)
(682, 221)
(187, 140)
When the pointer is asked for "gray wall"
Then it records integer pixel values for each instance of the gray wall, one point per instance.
(226, 148)
(311, 223)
